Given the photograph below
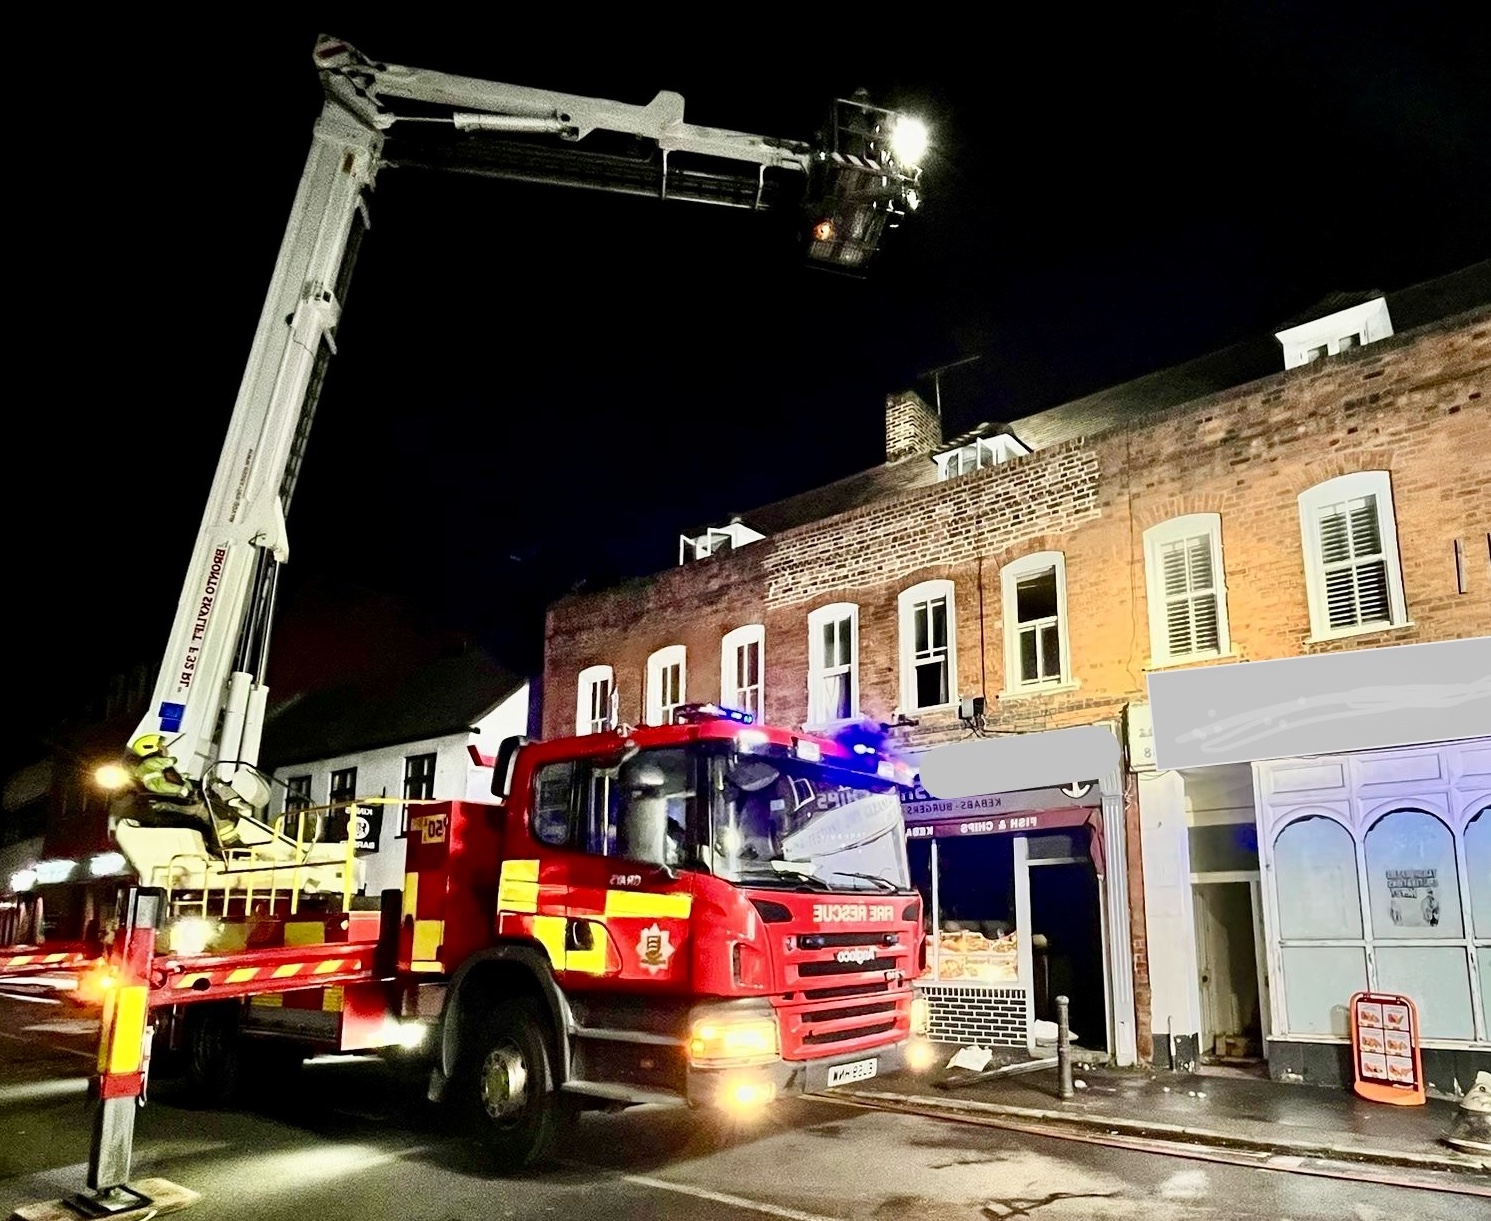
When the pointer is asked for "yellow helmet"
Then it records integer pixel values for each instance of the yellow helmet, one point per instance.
(147, 744)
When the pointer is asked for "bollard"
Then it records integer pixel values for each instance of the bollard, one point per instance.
(1063, 1047)
(123, 1060)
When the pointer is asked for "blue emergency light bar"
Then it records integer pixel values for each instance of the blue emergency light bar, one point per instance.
(688, 714)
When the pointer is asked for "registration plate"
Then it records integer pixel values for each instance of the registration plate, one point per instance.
(858, 1070)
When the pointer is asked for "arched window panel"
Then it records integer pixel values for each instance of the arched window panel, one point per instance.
(667, 683)
(593, 699)
(742, 668)
(1316, 881)
(1478, 862)
(1413, 887)
(928, 653)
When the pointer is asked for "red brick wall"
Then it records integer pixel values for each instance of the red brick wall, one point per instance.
(1419, 408)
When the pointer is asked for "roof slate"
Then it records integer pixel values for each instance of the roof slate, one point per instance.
(446, 696)
(1143, 398)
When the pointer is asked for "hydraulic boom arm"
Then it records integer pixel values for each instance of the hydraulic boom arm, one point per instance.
(210, 695)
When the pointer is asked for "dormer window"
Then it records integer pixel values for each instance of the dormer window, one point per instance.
(715, 541)
(1335, 327)
(985, 451)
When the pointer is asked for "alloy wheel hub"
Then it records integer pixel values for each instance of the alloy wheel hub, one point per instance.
(504, 1082)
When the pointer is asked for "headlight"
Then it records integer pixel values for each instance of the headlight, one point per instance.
(731, 1042)
(919, 1015)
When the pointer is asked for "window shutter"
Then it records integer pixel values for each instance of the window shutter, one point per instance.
(1356, 589)
(1188, 575)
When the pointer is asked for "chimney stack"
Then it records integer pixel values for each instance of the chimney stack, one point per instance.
(911, 427)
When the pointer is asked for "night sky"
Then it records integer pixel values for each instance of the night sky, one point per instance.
(537, 386)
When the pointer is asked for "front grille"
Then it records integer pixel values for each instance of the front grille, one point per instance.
(813, 969)
(819, 1037)
(828, 994)
(814, 941)
(849, 1011)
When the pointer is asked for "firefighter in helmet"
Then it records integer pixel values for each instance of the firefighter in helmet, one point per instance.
(156, 771)
(165, 798)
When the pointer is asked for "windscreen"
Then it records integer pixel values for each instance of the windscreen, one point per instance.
(780, 822)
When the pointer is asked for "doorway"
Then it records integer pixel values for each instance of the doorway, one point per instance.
(1229, 971)
(1067, 956)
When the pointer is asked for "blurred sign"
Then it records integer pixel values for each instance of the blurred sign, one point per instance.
(1140, 725)
(959, 770)
(1322, 704)
(368, 826)
(1385, 1048)
(923, 807)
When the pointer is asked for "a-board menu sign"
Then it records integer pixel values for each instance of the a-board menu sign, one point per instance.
(1385, 1048)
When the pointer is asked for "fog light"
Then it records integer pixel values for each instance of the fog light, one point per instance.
(919, 1055)
(723, 1042)
(747, 1095)
(190, 935)
(920, 1015)
(408, 1035)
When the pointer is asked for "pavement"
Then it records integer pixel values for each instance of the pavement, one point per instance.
(1225, 1109)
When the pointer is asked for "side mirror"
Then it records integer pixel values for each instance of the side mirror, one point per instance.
(502, 769)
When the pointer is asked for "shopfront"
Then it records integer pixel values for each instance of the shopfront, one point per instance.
(1012, 886)
(1371, 782)
(1378, 868)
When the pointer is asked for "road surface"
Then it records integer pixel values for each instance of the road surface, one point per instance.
(350, 1139)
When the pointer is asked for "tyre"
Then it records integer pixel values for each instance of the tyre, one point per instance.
(214, 1052)
(508, 1087)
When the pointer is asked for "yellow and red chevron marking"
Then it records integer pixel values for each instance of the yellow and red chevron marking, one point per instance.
(38, 960)
(256, 973)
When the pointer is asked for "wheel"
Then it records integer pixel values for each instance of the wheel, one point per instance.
(214, 1052)
(507, 1085)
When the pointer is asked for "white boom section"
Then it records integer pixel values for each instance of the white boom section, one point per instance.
(488, 106)
(210, 696)
(244, 512)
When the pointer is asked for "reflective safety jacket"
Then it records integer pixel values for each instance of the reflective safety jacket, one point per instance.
(157, 774)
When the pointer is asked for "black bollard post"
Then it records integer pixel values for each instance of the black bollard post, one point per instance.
(1063, 1048)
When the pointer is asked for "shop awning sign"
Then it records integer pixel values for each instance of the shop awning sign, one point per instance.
(1020, 761)
(1324, 704)
(997, 824)
(923, 807)
(1024, 822)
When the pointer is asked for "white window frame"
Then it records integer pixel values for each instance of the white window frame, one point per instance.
(1156, 537)
(659, 713)
(987, 451)
(702, 546)
(817, 673)
(584, 689)
(1010, 575)
(406, 812)
(907, 602)
(1359, 828)
(1333, 491)
(730, 645)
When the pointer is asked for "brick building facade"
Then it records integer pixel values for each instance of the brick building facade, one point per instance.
(1229, 510)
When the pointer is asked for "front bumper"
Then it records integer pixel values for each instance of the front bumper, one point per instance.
(731, 1087)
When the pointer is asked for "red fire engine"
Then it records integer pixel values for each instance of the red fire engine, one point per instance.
(710, 913)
